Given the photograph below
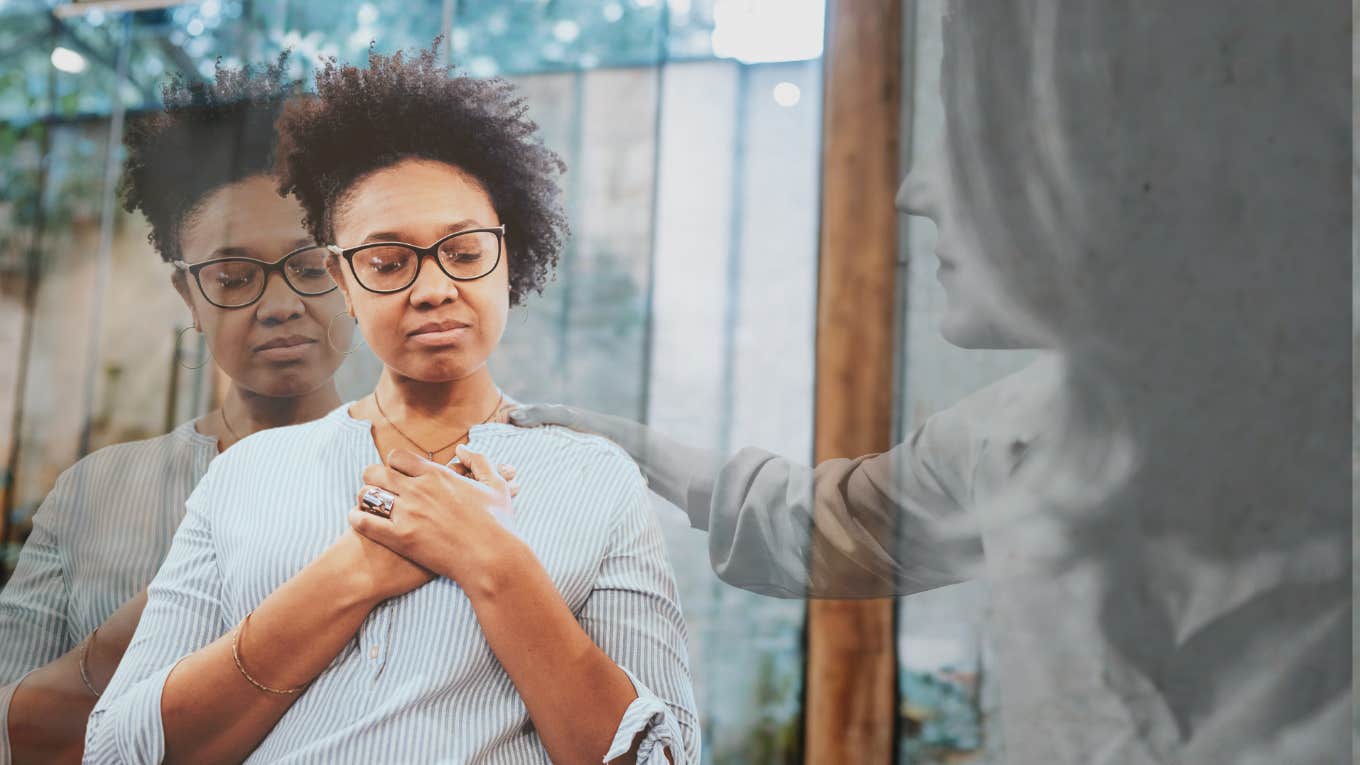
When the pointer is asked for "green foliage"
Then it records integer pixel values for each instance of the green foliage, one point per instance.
(776, 736)
(940, 718)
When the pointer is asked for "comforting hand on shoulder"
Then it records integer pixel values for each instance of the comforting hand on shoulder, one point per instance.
(452, 524)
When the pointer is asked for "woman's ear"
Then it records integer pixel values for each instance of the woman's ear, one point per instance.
(181, 284)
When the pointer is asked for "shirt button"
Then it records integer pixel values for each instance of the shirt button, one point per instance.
(373, 652)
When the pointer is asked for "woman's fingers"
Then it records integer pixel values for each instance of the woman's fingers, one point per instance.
(533, 415)
(481, 467)
(381, 476)
(409, 463)
(508, 472)
(384, 477)
(380, 530)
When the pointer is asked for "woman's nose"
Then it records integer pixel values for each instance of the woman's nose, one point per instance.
(432, 286)
(916, 197)
(279, 303)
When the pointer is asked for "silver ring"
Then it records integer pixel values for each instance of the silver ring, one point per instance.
(377, 502)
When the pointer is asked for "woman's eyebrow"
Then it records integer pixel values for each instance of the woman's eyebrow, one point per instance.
(229, 251)
(238, 251)
(393, 236)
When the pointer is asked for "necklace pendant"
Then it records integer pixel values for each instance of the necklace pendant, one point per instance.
(429, 456)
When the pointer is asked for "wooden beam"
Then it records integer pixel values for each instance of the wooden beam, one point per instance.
(852, 669)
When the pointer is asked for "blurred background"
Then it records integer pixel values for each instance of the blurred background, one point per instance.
(692, 130)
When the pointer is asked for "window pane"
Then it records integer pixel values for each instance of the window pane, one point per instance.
(685, 298)
(949, 703)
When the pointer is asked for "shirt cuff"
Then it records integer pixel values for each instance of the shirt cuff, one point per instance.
(699, 498)
(6, 695)
(705, 470)
(129, 728)
(650, 716)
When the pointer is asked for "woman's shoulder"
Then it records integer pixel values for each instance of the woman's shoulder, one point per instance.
(556, 443)
(558, 437)
(281, 444)
(172, 462)
(177, 448)
(552, 453)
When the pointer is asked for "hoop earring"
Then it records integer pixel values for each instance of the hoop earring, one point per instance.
(331, 342)
(178, 336)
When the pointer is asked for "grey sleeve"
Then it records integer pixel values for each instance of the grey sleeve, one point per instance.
(183, 614)
(33, 605)
(33, 626)
(880, 525)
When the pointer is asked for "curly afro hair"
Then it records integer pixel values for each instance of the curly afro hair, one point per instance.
(365, 120)
(209, 135)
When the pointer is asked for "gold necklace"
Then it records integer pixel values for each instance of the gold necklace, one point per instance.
(428, 453)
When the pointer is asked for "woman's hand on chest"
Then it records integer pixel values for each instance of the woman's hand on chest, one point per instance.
(448, 523)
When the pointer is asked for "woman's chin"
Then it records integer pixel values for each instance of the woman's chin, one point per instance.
(290, 384)
(435, 368)
(969, 329)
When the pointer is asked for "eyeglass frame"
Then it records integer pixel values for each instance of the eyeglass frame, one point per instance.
(193, 269)
(432, 251)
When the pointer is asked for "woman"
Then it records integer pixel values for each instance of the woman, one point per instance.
(1159, 190)
(758, 508)
(454, 627)
(70, 609)
(1165, 188)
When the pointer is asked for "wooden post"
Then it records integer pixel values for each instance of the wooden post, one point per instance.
(852, 670)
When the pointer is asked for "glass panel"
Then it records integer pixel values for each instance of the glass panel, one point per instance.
(56, 368)
(493, 36)
(685, 298)
(736, 308)
(949, 706)
(26, 40)
(190, 38)
(345, 28)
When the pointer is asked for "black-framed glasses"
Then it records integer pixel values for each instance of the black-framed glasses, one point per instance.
(387, 267)
(237, 282)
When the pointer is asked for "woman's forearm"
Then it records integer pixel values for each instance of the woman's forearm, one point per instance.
(574, 692)
(212, 713)
(47, 714)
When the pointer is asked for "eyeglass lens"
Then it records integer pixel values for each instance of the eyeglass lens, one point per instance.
(388, 267)
(235, 283)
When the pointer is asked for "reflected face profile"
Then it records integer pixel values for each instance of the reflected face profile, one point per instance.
(266, 302)
(973, 318)
(420, 321)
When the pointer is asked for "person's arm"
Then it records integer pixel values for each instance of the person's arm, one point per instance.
(875, 526)
(671, 467)
(37, 663)
(47, 713)
(580, 699)
(633, 614)
(178, 694)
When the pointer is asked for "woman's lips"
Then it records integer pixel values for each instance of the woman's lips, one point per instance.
(438, 337)
(292, 351)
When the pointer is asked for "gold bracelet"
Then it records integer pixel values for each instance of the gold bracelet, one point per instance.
(236, 654)
(84, 662)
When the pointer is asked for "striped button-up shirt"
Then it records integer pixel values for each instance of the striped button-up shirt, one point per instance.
(97, 540)
(418, 683)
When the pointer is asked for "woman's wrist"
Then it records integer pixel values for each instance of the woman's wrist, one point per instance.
(502, 566)
(344, 563)
(99, 658)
